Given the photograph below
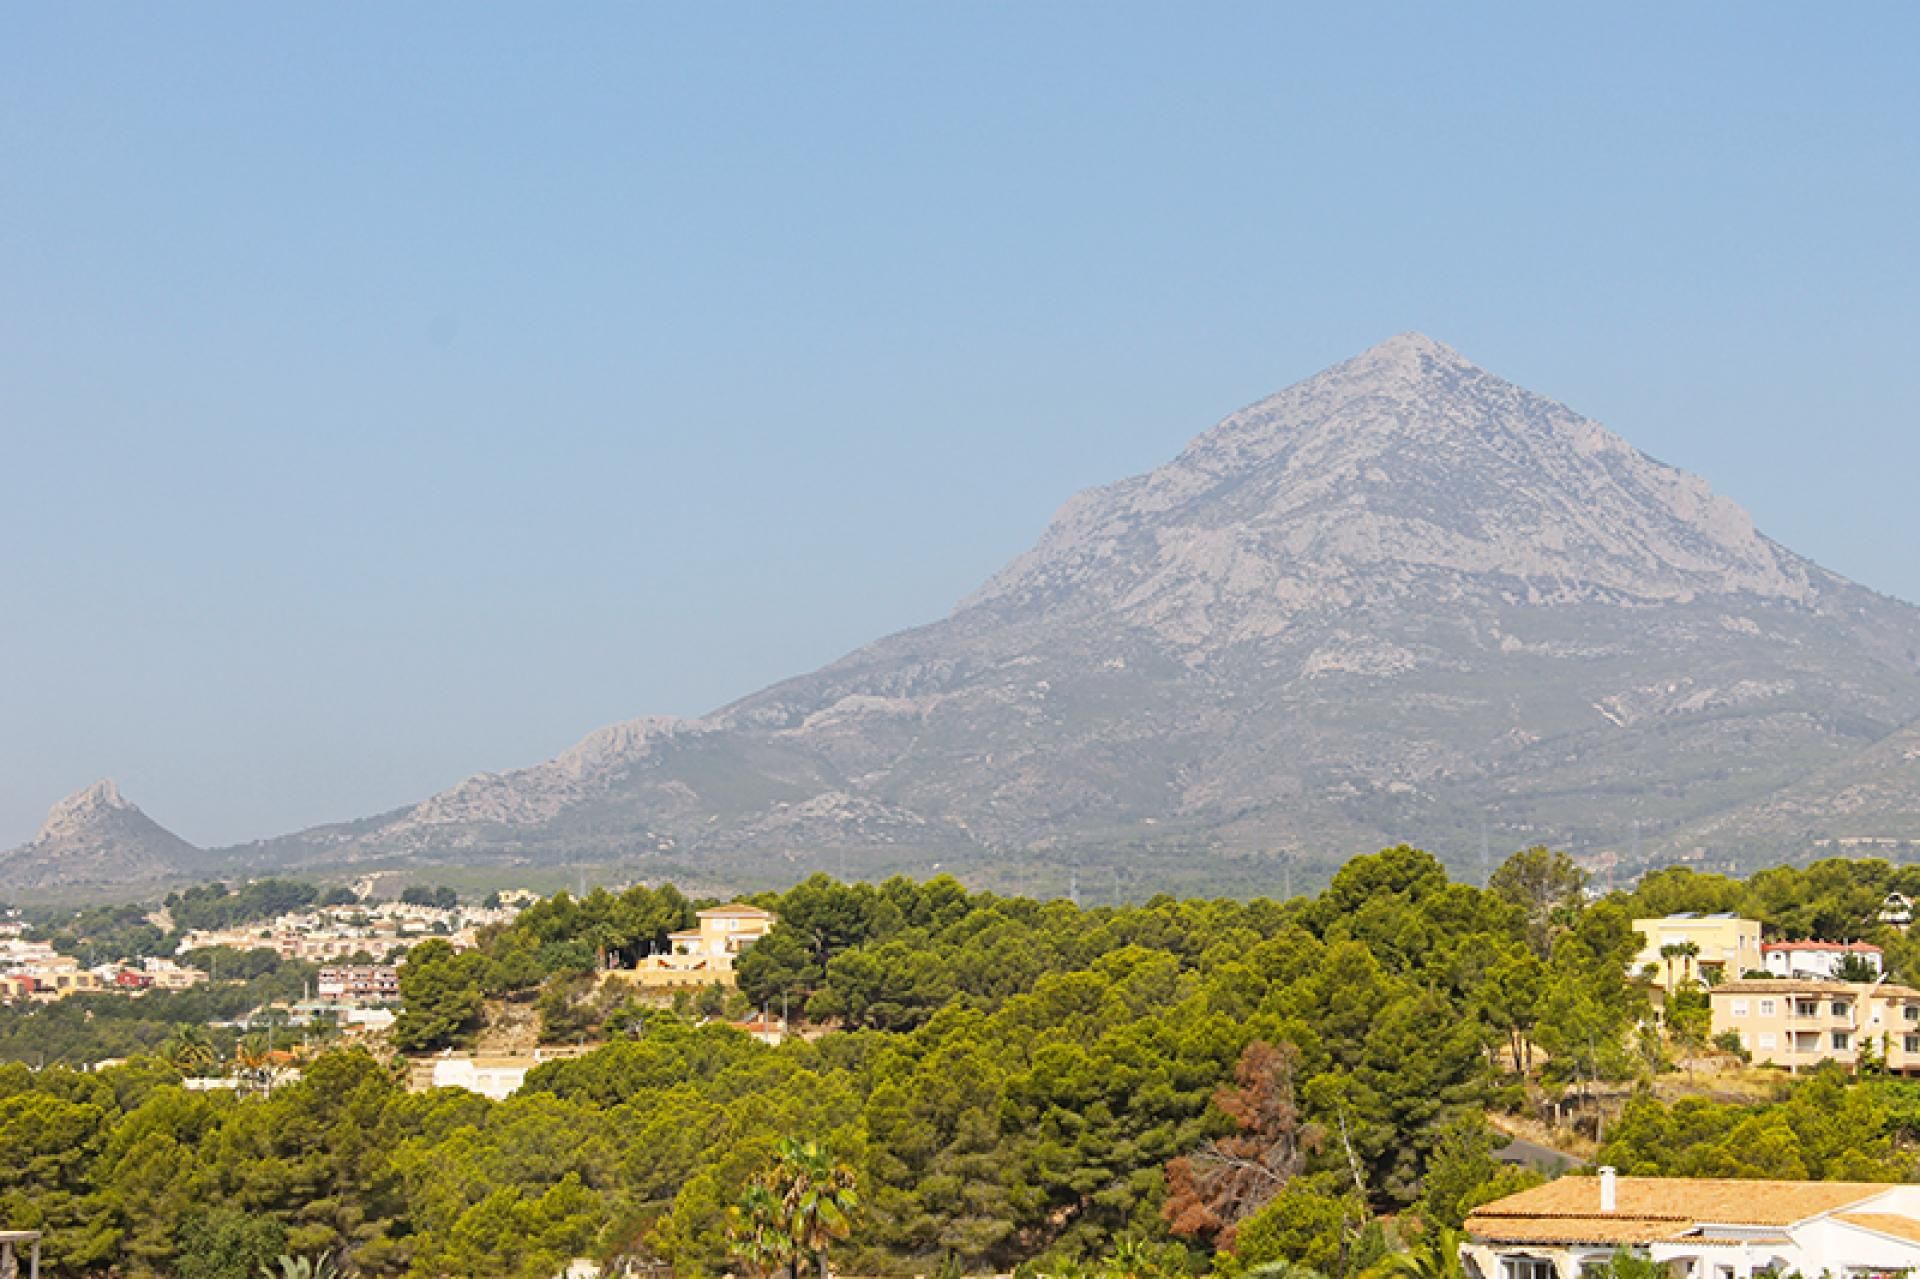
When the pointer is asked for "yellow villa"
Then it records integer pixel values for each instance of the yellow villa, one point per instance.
(704, 955)
(1727, 945)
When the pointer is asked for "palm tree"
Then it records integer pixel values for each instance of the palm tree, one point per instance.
(1670, 952)
(1133, 1258)
(189, 1049)
(1283, 1270)
(1435, 1256)
(818, 1196)
(1689, 951)
(253, 1060)
(1624, 1265)
(1070, 1268)
(758, 1231)
(318, 1266)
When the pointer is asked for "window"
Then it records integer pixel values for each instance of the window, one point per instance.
(1767, 1041)
(1526, 1268)
(1911, 1012)
(1912, 1044)
(1841, 1039)
(1842, 1008)
(1766, 1008)
(1739, 1008)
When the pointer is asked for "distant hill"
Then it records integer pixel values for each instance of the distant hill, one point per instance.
(95, 837)
(1401, 600)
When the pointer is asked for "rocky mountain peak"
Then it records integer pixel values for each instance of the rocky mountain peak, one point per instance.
(1427, 385)
(1405, 471)
(83, 808)
(1406, 356)
(96, 835)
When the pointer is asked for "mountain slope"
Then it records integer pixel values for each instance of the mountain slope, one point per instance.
(1867, 803)
(95, 837)
(1401, 600)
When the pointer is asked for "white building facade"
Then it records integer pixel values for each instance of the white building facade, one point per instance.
(1820, 959)
(1697, 1228)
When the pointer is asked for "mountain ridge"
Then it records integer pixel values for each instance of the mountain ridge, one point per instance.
(1403, 599)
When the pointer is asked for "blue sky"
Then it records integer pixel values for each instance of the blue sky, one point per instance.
(390, 394)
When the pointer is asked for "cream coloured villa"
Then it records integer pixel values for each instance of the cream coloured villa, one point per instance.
(1699, 1229)
(1723, 946)
(1804, 1022)
(705, 955)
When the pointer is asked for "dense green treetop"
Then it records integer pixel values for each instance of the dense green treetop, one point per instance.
(1008, 1082)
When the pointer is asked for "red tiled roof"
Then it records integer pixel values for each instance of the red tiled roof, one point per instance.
(1837, 947)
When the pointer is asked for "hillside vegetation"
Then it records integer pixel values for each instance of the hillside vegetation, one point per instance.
(1192, 1085)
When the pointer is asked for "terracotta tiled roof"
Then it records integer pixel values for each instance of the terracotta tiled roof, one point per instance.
(1812, 986)
(738, 910)
(1596, 1229)
(1842, 947)
(1650, 1208)
(1887, 1223)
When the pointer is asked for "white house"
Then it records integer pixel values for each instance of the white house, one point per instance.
(1816, 958)
(495, 1077)
(1699, 1229)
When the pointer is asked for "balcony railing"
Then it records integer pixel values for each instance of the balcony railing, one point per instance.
(14, 1243)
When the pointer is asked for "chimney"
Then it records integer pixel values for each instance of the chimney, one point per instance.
(1606, 1189)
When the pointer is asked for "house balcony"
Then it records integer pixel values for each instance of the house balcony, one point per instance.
(1821, 1013)
(16, 1245)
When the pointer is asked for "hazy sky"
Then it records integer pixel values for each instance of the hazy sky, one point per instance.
(390, 393)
